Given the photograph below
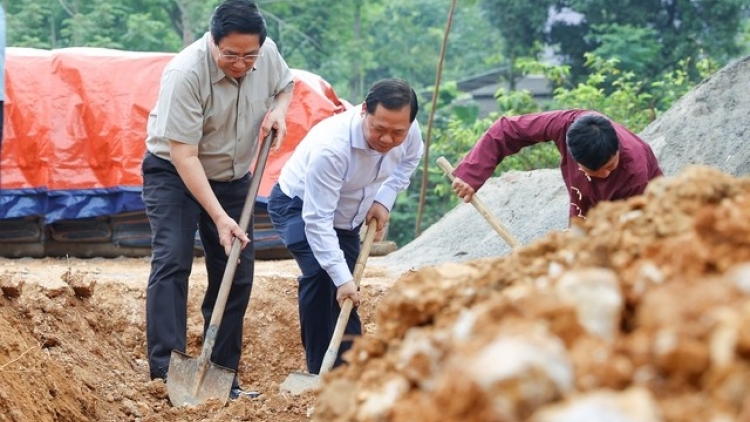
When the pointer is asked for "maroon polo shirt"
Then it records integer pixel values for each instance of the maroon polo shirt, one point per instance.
(508, 135)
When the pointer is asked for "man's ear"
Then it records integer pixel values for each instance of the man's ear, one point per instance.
(364, 109)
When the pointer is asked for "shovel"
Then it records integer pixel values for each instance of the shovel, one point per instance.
(479, 205)
(193, 381)
(298, 382)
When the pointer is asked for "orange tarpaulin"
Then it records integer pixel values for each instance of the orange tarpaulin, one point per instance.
(75, 122)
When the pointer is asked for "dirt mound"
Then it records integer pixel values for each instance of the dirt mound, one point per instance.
(708, 125)
(72, 343)
(640, 314)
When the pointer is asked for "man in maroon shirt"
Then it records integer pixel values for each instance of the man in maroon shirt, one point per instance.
(601, 160)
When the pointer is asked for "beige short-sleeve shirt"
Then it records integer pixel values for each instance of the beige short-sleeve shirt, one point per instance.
(199, 104)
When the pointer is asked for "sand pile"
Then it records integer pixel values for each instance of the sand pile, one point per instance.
(641, 314)
(529, 204)
(708, 126)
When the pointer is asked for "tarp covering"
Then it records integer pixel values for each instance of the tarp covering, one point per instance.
(75, 128)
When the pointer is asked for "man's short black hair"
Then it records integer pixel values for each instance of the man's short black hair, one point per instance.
(241, 16)
(393, 94)
(592, 141)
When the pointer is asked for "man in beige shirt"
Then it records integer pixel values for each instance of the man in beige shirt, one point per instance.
(217, 98)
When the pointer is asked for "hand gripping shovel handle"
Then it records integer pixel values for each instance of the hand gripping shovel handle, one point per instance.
(479, 205)
(346, 309)
(234, 254)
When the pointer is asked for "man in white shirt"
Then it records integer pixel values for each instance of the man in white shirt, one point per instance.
(347, 170)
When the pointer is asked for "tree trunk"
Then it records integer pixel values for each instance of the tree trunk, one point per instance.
(77, 41)
(187, 27)
(512, 73)
(53, 31)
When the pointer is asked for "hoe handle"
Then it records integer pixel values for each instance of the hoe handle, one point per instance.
(479, 205)
(346, 309)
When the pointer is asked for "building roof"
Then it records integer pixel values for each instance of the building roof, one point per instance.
(487, 83)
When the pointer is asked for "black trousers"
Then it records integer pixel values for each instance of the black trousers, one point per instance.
(318, 308)
(174, 215)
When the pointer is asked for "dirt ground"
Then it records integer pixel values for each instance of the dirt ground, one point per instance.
(75, 350)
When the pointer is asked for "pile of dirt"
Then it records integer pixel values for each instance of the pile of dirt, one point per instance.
(642, 313)
(72, 342)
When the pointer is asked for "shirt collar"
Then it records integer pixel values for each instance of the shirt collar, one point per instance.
(357, 133)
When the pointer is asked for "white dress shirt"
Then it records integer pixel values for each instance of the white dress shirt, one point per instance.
(338, 177)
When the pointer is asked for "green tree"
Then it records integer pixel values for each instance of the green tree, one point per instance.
(98, 25)
(324, 37)
(522, 25)
(682, 29)
(743, 37)
(352, 43)
(145, 25)
(30, 23)
(637, 49)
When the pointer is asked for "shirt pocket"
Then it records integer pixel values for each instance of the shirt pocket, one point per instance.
(256, 111)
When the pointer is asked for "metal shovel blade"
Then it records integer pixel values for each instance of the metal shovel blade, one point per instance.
(298, 382)
(186, 386)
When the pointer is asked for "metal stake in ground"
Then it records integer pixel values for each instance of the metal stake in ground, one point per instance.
(298, 382)
(479, 205)
(192, 381)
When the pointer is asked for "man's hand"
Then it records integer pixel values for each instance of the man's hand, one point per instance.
(380, 214)
(190, 169)
(463, 190)
(276, 116)
(228, 230)
(347, 290)
(275, 119)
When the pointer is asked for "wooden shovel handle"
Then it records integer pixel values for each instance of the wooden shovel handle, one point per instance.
(247, 212)
(479, 205)
(359, 266)
(338, 332)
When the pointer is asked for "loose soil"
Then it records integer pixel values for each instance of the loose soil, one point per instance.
(639, 314)
(72, 342)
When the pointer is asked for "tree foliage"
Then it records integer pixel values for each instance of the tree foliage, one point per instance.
(351, 43)
(127, 24)
(521, 24)
(665, 32)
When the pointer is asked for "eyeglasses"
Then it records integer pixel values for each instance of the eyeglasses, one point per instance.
(234, 58)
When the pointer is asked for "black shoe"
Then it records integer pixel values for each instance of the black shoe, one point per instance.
(160, 373)
(236, 392)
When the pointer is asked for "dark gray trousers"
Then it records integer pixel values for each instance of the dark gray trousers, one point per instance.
(318, 308)
(174, 215)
